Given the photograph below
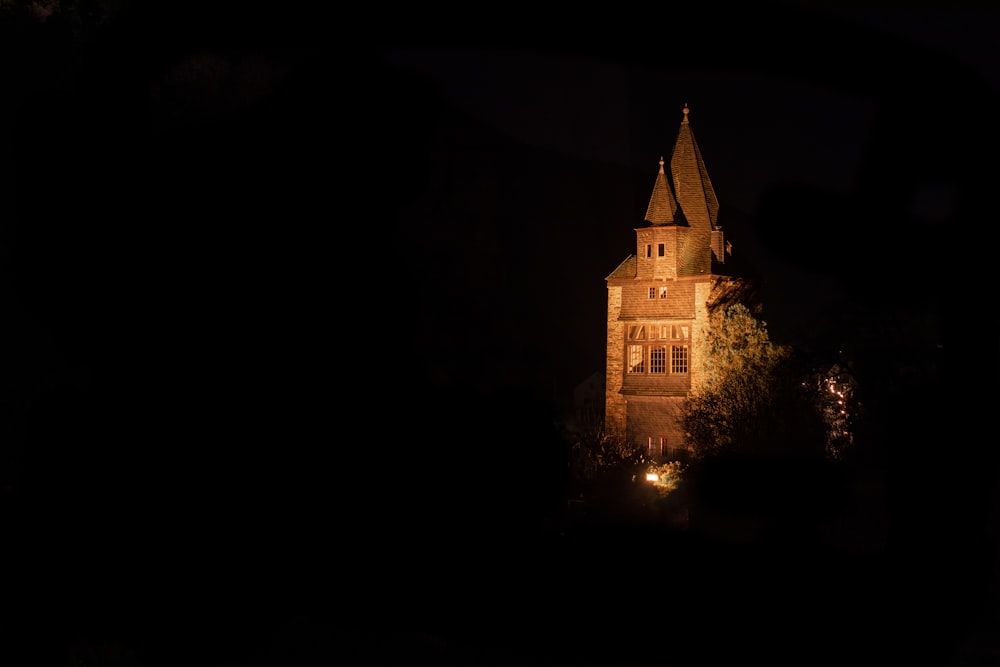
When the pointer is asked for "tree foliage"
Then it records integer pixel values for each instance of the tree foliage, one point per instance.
(835, 398)
(751, 400)
(597, 453)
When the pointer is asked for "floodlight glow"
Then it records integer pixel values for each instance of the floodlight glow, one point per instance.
(652, 477)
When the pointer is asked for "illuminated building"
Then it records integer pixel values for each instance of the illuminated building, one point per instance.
(658, 304)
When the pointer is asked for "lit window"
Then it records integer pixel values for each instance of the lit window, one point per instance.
(635, 359)
(654, 448)
(657, 359)
(678, 358)
(663, 291)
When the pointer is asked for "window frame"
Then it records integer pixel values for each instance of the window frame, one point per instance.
(657, 359)
(680, 359)
(649, 351)
(635, 365)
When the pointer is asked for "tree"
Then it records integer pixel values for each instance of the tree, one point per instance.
(835, 398)
(751, 401)
(596, 453)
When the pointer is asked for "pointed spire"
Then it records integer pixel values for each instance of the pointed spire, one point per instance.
(696, 197)
(691, 182)
(662, 203)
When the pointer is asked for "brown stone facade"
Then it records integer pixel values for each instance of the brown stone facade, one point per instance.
(657, 423)
(647, 406)
(658, 306)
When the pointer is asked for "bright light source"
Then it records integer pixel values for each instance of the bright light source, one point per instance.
(652, 477)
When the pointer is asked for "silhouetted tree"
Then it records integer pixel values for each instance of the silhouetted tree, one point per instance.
(596, 453)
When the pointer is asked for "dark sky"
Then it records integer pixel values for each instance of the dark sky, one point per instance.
(802, 111)
(278, 288)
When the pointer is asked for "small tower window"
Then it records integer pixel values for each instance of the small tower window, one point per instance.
(661, 249)
(649, 250)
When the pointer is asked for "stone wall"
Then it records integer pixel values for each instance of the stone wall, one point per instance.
(657, 417)
(614, 415)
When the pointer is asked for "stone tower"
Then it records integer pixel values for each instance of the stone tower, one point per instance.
(658, 304)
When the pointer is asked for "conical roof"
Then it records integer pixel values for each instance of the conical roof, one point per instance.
(662, 204)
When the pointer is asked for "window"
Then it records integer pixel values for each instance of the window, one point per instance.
(636, 358)
(678, 358)
(663, 291)
(655, 445)
(652, 292)
(661, 250)
(637, 332)
(658, 359)
(669, 354)
(649, 250)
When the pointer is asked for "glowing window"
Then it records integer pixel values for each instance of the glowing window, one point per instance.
(636, 359)
(656, 445)
(663, 291)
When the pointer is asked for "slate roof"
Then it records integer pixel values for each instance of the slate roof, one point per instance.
(690, 202)
(662, 204)
(626, 269)
(692, 185)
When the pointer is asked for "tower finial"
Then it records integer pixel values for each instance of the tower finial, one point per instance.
(661, 164)
(686, 111)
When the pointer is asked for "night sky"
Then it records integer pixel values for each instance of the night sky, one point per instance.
(278, 289)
